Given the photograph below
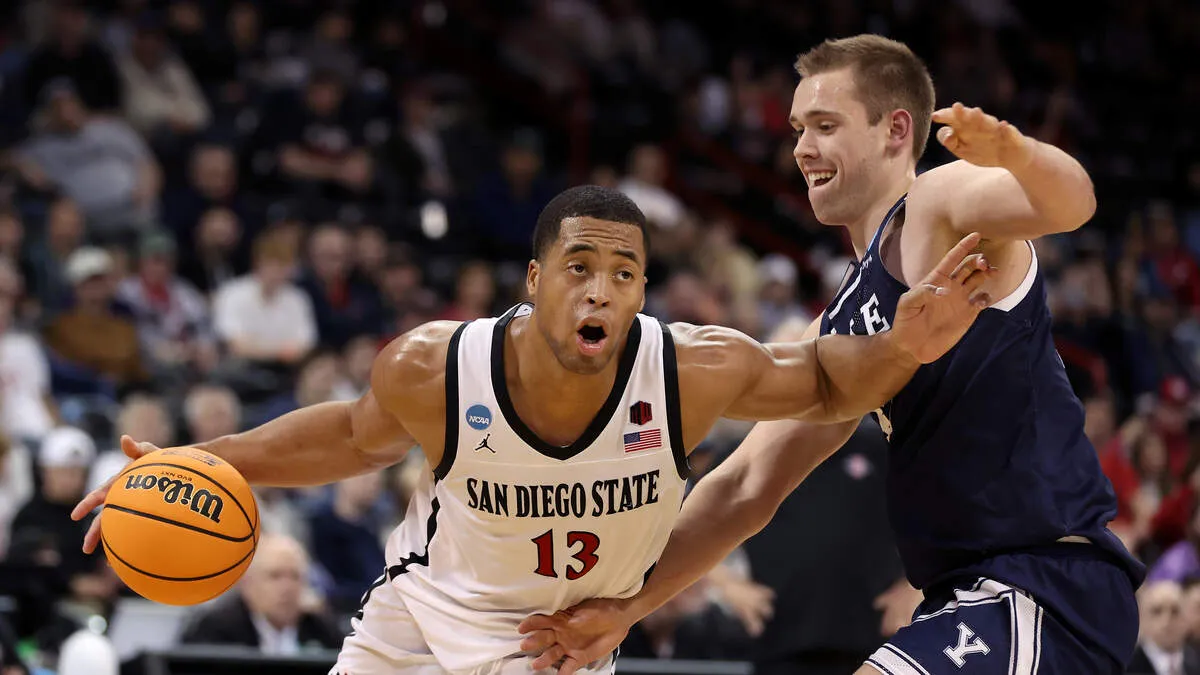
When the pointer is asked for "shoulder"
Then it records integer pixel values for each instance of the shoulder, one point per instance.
(947, 176)
(415, 360)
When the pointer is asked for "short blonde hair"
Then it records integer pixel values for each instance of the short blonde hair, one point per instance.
(887, 76)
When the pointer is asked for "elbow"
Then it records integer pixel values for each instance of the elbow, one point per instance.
(1079, 209)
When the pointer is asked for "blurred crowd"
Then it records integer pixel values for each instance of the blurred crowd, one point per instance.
(213, 212)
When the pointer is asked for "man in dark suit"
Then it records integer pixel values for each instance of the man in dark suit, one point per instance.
(1163, 649)
(267, 613)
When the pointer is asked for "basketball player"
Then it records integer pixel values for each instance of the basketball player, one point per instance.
(557, 436)
(996, 497)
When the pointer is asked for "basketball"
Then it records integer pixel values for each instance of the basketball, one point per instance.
(180, 526)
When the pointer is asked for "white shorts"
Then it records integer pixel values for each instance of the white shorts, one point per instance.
(387, 641)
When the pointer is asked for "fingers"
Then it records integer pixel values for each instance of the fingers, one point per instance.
(949, 262)
(570, 666)
(134, 449)
(536, 622)
(538, 641)
(91, 501)
(92, 538)
(948, 138)
(549, 657)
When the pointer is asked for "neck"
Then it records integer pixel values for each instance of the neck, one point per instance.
(553, 391)
(862, 230)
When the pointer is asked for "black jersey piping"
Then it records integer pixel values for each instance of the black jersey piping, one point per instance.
(450, 445)
(598, 423)
(674, 411)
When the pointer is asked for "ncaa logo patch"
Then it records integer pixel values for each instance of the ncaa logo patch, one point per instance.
(479, 417)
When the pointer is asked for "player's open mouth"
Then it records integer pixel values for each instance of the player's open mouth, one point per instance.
(591, 337)
(819, 178)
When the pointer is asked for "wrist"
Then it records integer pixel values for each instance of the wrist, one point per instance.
(1022, 157)
(899, 352)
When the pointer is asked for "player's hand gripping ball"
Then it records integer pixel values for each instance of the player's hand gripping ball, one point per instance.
(180, 526)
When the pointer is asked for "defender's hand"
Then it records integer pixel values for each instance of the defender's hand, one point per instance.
(981, 139)
(133, 450)
(575, 637)
(934, 315)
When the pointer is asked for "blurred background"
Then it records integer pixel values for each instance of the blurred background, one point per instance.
(213, 212)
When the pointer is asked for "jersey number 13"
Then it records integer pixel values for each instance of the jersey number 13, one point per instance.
(586, 555)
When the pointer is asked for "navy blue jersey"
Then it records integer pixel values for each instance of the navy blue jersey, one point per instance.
(988, 455)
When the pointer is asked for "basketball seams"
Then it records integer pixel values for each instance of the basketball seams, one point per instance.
(109, 549)
(186, 526)
(253, 525)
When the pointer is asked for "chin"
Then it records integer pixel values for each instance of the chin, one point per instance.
(584, 365)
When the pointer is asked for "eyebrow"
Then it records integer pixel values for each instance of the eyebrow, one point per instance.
(795, 120)
(591, 248)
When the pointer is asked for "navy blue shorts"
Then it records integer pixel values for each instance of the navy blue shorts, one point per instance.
(988, 628)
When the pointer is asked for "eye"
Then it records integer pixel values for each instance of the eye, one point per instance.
(797, 133)
(625, 275)
(577, 268)
(827, 126)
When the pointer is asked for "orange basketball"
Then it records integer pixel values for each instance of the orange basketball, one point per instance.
(180, 526)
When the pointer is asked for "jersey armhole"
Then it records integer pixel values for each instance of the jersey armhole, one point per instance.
(450, 448)
(674, 415)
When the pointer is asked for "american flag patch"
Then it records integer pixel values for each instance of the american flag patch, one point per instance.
(643, 440)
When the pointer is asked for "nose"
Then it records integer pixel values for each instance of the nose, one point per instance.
(598, 288)
(805, 148)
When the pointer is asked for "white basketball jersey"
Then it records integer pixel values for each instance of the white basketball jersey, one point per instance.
(509, 525)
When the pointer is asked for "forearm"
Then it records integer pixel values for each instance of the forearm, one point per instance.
(1056, 185)
(735, 502)
(856, 375)
(310, 446)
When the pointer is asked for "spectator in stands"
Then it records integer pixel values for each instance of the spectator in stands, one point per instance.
(474, 293)
(262, 317)
(405, 299)
(212, 182)
(370, 253)
(344, 304)
(346, 539)
(99, 162)
(211, 411)
(507, 203)
(141, 417)
(28, 410)
(43, 530)
(329, 47)
(417, 152)
(320, 147)
(162, 99)
(63, 234)
(69, 52)
(1183, 559)
(90, 335)
(1168, 262)
(777, 298)
(1191, 610)
(316, 383)
(268, 611)
(1163, 649)
(358, 358)
(216, 256)
(172, 316)
(645, 185)
(16, 485)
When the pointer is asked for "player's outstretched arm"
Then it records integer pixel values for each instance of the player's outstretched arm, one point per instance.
(1009, 186)
(842, 377)
(726, 507)
(327, 442)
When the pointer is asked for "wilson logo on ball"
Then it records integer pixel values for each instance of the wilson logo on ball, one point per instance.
(174, 491)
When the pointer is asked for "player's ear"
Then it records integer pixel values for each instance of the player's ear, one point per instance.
(642, 306)
(531, 278)
(900, 130)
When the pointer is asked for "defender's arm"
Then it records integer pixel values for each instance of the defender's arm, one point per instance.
(842, 377)
(1006, 186)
